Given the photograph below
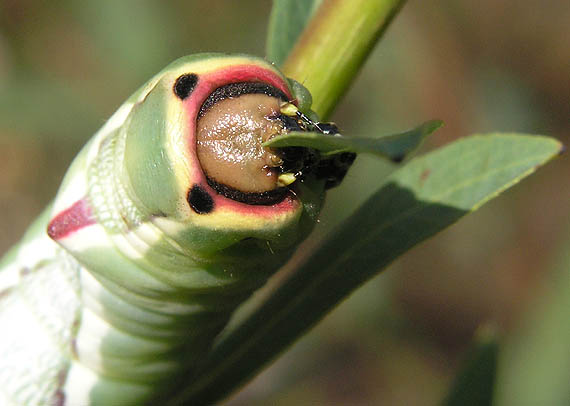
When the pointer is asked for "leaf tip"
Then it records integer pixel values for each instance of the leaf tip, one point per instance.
(433, 125)
(486, 333)
(438, 123)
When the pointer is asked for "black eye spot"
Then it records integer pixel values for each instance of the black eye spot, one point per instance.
(185, 84)
(200, 201)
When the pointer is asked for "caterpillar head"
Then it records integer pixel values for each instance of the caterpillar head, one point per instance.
(194, 158)
(178, 180)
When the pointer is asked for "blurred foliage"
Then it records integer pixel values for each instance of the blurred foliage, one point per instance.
(66, 65)
(286, 23)
(536, 360)
(414, 203)
(475, 382)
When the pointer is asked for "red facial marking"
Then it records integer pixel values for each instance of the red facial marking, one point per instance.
(207, 83)
(246, 73)
(77, 216)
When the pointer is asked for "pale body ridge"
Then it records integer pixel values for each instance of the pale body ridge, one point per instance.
(143, 262)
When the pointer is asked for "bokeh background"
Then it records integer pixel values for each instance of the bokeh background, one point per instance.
(65, 66)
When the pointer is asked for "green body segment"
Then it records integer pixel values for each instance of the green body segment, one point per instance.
(148, 281)
(146, 154)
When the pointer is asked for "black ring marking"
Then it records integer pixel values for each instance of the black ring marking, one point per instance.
(267, 198)
(200, 201)
(185, 84)
(239, 89)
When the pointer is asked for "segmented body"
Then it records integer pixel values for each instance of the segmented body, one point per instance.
(39, 313)
(143, 262)
(119, 289)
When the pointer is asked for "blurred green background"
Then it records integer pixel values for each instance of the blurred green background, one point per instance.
(65, 66)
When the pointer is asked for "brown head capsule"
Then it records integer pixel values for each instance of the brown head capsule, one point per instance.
(229, 141)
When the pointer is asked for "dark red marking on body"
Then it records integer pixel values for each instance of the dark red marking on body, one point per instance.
(4, 293)
(424, 175)
(59, 396)
(76, 217)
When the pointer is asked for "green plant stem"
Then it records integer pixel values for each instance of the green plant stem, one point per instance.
(334, 46)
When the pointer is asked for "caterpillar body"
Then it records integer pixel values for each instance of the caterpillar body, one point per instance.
(167, 220)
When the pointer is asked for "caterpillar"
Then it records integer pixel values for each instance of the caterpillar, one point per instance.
(166, 221)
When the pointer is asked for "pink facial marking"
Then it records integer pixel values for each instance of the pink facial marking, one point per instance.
(246, 73)
(77, 216)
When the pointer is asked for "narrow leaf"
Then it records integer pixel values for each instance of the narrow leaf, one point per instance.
(534, 367)
(414, 203)
(286, 22)
(475, 383)
(394, 147)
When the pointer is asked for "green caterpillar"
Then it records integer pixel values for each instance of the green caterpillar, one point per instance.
(168, 219)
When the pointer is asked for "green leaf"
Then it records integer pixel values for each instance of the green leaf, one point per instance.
(394, 147)
(414, 203)
(475, 383)
(286, 22)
